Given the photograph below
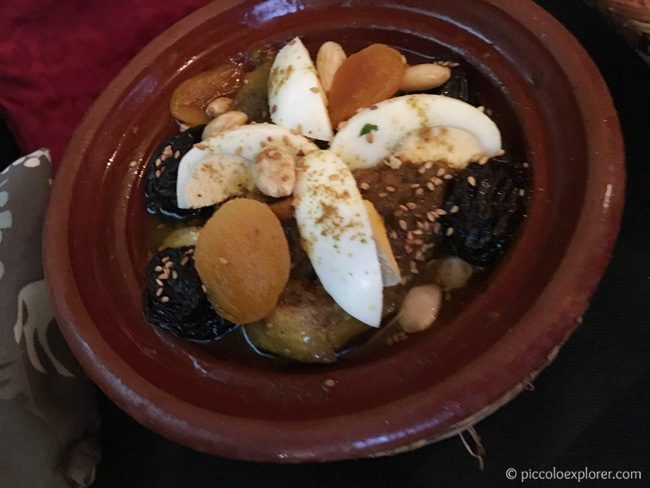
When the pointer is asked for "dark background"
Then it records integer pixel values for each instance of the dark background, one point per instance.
(589, 409)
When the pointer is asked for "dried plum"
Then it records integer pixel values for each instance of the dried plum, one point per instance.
(458, 86)
(484, 204)
(162, 172)
(174, 299)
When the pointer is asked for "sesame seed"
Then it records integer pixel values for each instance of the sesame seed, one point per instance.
(205, 290)
(415, 185)
(164, 299)
(329, 383)
(364, 186)
(525, 165)
(418, 242)
(449, 231)
(430, 186)
(431, 216)
(409, 235)
(165, 259)
(177, 154)
(402, 224)
(436, 181)
(158, 269)
(413, 267)
(440, 211)
(159, 292)
(440, 172)
(403, 207)
(419, 192)
(158, 162)
(158, 282)
(471, 180)
(390, 189)
(454, 209)
(418, 232)
(383, 194)
(422, 170)
(158, 173)
(398, 213)
(392, 234)
(522, 192)
(408, 249)
(447, 176)
(420, 225)
(223, 260)
(483, 160)
(419, 256)
(175, 275)
(184, 260)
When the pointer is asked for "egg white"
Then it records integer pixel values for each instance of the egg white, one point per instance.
(219, 166)
(337, 235)
(297, 99)
(389, 122)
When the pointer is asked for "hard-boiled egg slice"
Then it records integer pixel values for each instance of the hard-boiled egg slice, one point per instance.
(376, 132)
(211, 178)
(337, 235)
(247, 141)
(217, 168)
(390, 273)
(296, 97)
(455, 146)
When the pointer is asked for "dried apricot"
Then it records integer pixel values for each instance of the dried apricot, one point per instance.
(190, 98)
(367, 77)
(242, 257)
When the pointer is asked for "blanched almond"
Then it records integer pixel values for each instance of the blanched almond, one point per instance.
(225, 121)
(330, 56)
(274, 172)
(218, 106)
(420, 308)
(422, 77)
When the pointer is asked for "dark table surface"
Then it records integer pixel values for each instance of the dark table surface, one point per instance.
(588, 409)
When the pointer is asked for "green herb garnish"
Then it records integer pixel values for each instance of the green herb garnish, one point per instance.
(367, 129)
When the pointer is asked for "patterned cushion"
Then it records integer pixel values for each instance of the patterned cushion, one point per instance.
(48, 410)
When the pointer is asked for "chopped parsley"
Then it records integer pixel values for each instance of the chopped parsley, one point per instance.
(367, 129)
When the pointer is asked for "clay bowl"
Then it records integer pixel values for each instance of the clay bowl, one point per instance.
(555, 110)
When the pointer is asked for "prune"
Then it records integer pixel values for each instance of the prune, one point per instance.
(458, 85)
(484, 205)
(162, 173)
(174, 299)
